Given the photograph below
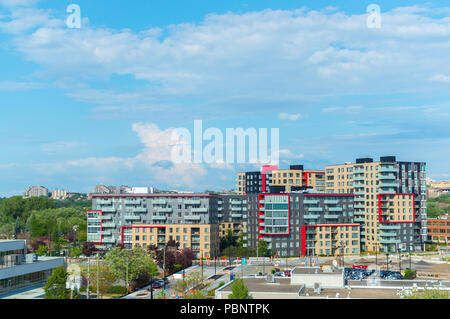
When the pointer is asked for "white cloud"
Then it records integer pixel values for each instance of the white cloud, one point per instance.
(226, 55)
(288, 154)
(347, 109)
(440, 78)
(289, 117)
(20, 86)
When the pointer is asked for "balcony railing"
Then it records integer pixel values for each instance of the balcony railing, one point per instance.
(199, 210)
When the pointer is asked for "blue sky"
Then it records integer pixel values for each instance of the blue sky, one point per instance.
(95, 105)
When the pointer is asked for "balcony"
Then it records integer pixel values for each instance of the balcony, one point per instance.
(103, 202)
(331, 216)
(133, 202)
(358, 193)
(358, 170)
(109, 225)
(236, 215)
(159, 217)
(311, 216)
(358, 185)
(387, 169)
(359, 199)
(106, 232)
(109, 209)
(390, 241)
(388, 185)
(139, 210)
(359, 205)
(262, 208)
(164, 210)
(109, 240)
(335, 209)
(387, 176)
(358, 178)
(159, 201)
(389, 227)
(236, 208)
(359, 220)
(310, 201)
(331, 201)
(199, 210)
(192, 202)
(315, 209)
(106, 217)
(197, 218)
(132, 217)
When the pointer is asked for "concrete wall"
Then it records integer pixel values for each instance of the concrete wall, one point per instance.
(326, 280)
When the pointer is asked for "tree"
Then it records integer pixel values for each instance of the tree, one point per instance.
(89, 249)
(184, 258)
(263, 249)
(105, 278)
(239, 290)
(129, 264)
(56, 285)
(42, 250)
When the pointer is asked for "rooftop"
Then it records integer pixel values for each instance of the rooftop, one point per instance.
(282, 287)
(315, 270)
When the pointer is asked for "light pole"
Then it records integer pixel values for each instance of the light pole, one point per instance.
(98, 275)
(399, 261)
(164, 268)
(376, 257)
(88, 277)
(387, 261)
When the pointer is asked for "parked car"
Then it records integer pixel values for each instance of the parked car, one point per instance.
(157, 285)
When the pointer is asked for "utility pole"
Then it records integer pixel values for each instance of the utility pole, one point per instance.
(409, 252)
(98, 276)
(376, 257)
(88, 277)
(164, 268)
(257, 256)
(201, 260)
(387, 261)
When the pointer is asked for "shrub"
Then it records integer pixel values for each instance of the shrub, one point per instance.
(410, 274)
(117, 290)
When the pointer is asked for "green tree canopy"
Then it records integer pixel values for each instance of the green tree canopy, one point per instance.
(130, 264)
(56, 285)
(239, 290)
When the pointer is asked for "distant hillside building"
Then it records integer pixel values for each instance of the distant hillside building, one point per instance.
(59, 194)
(35, 191)
(102, 189)
(437, 188)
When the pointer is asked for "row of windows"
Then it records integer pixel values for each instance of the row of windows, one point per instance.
(177, 230)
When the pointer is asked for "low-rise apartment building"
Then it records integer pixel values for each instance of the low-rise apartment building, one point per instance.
(113, 218)
(307, 224)
(439, 229)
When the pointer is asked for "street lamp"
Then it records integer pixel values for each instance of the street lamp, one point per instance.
(387, 261)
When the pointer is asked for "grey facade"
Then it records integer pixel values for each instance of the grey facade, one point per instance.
(281, 223)
(112, 215)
